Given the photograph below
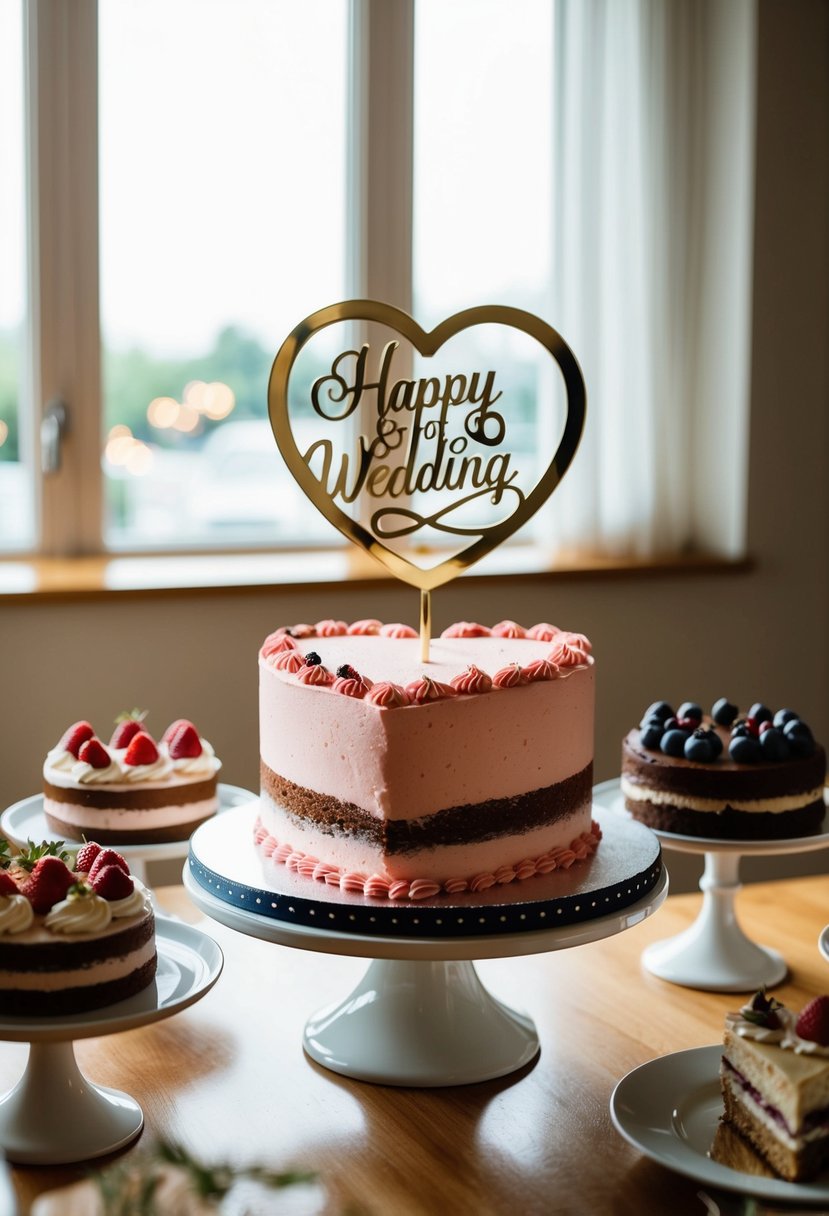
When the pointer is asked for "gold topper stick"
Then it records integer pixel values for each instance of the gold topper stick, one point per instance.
(425, 625)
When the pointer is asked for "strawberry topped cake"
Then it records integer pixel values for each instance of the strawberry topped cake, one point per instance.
(76, 932)
(405, 780)
(132, 789)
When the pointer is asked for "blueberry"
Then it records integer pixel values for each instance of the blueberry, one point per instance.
(659, 710)
(759, 713)
(723, 712)
(740, 731)
(800, 737)
(690, 709)
(312, 659)
(652, 720)
(783, 716)
(650, 737)
(673, 742)
(698, 748)
(670, 724)
(775, 745)
(715, 742)
(745, 750)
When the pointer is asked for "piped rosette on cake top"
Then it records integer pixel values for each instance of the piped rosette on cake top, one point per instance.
(133, 789)
(775, 1083)
(77, 932)
(397, 779)
(759, 776)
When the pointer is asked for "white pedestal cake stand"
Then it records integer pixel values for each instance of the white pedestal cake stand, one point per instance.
(54, 1115)
(26, 820)
(420, 1016)
(714, 953)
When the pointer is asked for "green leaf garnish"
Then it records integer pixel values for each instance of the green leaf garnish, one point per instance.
(28, 858)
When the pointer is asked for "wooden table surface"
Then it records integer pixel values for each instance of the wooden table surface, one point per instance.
(228, 1077)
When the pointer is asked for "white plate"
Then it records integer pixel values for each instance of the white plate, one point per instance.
(669, 1109)
(25, 820)
(823, 943)
(189, 963)
(608, 794)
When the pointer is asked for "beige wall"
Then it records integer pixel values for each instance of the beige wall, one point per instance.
(761, 634)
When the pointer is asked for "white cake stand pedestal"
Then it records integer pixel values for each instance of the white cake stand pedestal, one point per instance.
(714, 954)
(54, 1115)
(420, 1015)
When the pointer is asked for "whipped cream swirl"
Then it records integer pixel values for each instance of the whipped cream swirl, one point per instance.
(16, 914)
(86, 774)
(784, 1036)
(78, 914)
(192, 766)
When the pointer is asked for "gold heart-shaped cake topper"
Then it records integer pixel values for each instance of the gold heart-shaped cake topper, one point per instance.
(427, 344)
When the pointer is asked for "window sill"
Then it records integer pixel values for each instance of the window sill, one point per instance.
(90, 578)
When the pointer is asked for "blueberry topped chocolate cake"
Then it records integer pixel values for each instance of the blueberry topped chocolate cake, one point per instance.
(723, 776)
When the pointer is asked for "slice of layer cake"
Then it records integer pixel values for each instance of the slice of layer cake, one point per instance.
(775, 1083)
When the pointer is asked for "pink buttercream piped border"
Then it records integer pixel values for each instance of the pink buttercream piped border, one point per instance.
(376, 886)
(570, 653)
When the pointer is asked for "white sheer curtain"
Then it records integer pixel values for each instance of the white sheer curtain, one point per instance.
(654, 166)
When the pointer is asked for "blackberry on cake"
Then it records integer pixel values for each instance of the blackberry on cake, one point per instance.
(400, 779)
(775, 1083)
(73, 937)
(134, 788)
(722, 776)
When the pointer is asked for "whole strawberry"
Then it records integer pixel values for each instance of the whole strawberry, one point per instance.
(127, 726)
(71, 739)
(47, 884)
(141, 750)
(94, 753)
(86, 856)
(813, 1023)
(7, 884)
(107, 857)
(112, 883)
(184, 742)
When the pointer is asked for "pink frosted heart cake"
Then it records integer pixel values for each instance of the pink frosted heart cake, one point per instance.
(399, 779)
(133, 789)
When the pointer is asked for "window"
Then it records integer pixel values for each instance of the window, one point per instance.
(204, 174)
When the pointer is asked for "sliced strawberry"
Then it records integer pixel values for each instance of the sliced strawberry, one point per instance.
(813, 1023)
(184, 743)
(93, 752)
(71, 739)
(125, 732)
(142, 750)
(112, 883)
(7, 884)
(47, 884)
(107, 857)
(86, 857)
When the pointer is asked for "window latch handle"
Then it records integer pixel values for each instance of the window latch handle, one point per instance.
(53, 428)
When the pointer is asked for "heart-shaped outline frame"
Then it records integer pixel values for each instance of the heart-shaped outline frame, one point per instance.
(427, 344)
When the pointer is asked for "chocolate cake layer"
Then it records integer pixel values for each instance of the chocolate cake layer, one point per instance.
(721, 778)
(174, 832)
(66, 953)
(136, 798)
(799, 1165)
(77, 1000)
(730, 824)
(455, 825)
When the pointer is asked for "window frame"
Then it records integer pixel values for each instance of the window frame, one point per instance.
(63, 360)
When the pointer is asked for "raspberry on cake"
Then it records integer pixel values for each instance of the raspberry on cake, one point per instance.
(759, 777)
(775, 1083)
(71, 939)
(401, 779)
(133, 788)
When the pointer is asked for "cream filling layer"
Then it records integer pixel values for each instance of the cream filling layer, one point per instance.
(795, 1143)
(102, 817)
(790, 802)
(79, 977)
